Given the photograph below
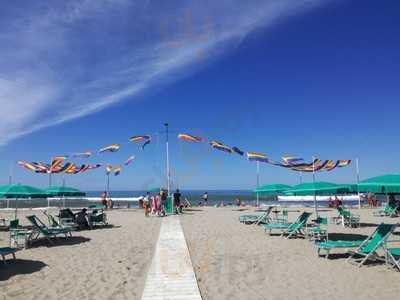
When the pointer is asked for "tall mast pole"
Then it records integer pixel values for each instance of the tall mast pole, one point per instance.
(168, 166)
(358, 181)
(258, 183)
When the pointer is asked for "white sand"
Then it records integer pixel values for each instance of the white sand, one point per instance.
(109, 263)
(236, 261)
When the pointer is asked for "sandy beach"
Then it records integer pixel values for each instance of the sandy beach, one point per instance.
(109, 263)
(231, 261)
(236, 261)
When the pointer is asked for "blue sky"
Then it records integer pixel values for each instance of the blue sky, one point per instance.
(307, 78)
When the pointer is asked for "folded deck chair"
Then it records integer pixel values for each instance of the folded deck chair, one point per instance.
(97, 219)
(257, 218)
(41, 229)
(290, 229)
(4, 251)
(366, 248)
(387, 211)
(393, 257)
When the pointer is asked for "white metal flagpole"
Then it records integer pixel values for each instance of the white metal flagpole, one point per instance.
(168, 166)
(258, 183)
(315, 194)
(358, 181)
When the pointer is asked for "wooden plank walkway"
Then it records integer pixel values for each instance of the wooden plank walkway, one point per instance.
(171, 274)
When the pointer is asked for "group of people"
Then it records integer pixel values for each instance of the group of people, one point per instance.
(372, 201)
(156, 204)
(394, 203)
(335, 202)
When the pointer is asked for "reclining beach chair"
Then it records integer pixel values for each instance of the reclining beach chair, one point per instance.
(387, 211)
(392, 256)
(67, 218)
(55, 224)
(366, 248)
(41, 229)
(4, 251)
(257, 218)
(290, 229)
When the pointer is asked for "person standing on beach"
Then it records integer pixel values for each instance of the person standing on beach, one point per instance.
(177, 201)
(205, 198)
(104, 199)
(146, 204)
(163, 197)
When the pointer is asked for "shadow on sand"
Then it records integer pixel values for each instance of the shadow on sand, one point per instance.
(59, 241)
(346, 237)
(19, 267)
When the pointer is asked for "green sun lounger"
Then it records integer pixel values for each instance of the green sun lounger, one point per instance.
(4, 251)
(365, 248)
(290, 229)
(257, 218)
(54, 224)
(393, 257)
(347, 218)
(41, 229)
(387, 211)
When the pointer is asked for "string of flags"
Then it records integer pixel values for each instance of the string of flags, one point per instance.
(288, 162)
(58, 164)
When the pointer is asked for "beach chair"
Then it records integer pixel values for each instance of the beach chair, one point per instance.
(67, 217)
(40, 228)
(347, 218)
(256, 219)
(97, 218)
(387, 211)
(19, 237)
(365, 248)
(318, 232)
(4, 251)
(290, 229)
(392, 256)
(283, 218)
(55, 224)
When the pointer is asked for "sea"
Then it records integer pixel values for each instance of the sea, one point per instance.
(130, 199)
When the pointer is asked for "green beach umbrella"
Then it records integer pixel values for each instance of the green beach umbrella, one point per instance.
(64, 191)
(385, 184)
(21, 192)
(319, 188)
(154, 190)
(272, 189)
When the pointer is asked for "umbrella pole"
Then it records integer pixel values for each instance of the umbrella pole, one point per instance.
(315, 193)
(258, 183)
(358, 181)
(16, 208)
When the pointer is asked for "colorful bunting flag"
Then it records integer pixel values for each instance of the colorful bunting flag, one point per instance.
(221, 147)
(110, 148)
(129, 160)
(343, 163)
(139, 138)
(146, 143)
(238, 151)
(27, 165)
(253, 156)
(109, 169)
(86, 154)
(190, 138)
(117, 170)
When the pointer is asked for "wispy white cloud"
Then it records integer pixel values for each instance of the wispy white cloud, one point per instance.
(64, 61)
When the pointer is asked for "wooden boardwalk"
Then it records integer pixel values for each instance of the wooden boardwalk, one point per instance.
(171, 274)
